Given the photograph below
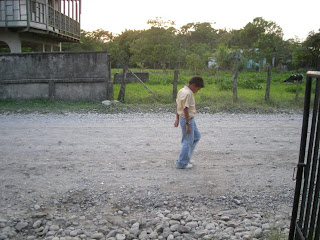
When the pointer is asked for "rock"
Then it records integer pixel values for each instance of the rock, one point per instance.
(54, 228)
(30, 238)
(225, 218)
(192, 224)
(170, 237)
(126, 209)
(45, 230)
(2, 220)
(135, 226)
(3, 236)
(135, 229)
(223, 236)
(183, 229)
(112, 233)
(174, 228)
(173, 222)
(143, 235)
(101, 223)
(211, 226)
(21, 225)
(237, 201)
(257, 233)
(37, 223)
(37, 207)
(120, 236)
(200, 234)
(166, 232)
(75, 233)
(176, 217)
(153, 235)
(106, 102)
(97, 236)
(229, 230)
(266, 226)
(232, 224)
(239, 229)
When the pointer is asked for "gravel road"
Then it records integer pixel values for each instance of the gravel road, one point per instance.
(100, 176)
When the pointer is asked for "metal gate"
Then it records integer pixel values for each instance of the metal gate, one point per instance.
(305, 221)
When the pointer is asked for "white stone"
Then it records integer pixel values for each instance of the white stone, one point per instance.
(120, 236)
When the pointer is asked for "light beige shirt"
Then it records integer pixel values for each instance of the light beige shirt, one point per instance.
(185, 98)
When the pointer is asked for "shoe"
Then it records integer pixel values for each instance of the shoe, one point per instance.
(186, 167)
(191, 161)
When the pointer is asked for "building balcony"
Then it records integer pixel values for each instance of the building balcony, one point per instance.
(59, 19)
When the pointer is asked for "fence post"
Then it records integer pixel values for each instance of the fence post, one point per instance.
(235, 88)
(267, 96)
(175, 84)
(109, 82)
(123, 86)
(297, 90)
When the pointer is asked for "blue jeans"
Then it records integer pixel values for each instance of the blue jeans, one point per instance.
(188, 142)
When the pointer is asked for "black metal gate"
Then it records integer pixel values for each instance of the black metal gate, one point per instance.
(305, 221)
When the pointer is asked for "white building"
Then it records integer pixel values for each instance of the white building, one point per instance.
(39, 24)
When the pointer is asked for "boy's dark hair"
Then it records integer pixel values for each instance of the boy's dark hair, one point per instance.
(198, 81)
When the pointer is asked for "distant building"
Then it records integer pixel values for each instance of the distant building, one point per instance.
(39, 24)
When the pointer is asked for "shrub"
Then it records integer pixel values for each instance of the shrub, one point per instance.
(249, 84)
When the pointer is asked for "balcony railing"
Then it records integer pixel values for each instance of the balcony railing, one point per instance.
(35, 15)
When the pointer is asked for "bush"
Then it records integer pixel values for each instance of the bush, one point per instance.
(249, 84)
(224, 84)
(293, 89)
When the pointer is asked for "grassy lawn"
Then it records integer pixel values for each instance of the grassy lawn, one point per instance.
(217, 95)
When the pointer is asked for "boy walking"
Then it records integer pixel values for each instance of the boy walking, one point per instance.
(186, 110)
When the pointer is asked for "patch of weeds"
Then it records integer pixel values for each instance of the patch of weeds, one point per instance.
(275, 234)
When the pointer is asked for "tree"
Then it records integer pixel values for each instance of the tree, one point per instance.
(89, 41)
(263, 39)
(155, 48)
(200, 33)
(119, 48)
(194, 62)
(161, 23)
(312, 43)
(305, 54)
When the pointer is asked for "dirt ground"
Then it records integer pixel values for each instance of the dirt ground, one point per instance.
(243, 159)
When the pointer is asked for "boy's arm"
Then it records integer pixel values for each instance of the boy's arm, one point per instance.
(186, 115)
(176, 123)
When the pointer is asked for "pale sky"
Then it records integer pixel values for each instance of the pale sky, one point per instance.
(116, 16)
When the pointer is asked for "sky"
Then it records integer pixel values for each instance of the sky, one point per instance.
(293, 16)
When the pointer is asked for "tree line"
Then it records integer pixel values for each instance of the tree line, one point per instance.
(163, 46)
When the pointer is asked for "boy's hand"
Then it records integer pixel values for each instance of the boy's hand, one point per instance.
(176, 123)
(188, 129)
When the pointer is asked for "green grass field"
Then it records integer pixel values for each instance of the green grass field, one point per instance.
(217, 95)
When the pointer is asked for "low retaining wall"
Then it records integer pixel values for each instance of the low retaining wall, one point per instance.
(66, 76)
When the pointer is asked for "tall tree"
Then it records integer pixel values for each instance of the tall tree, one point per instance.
(200, 33)
(155, 48)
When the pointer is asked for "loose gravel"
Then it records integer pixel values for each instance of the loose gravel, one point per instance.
(100, 176)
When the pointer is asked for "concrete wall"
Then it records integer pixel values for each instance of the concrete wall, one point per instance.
(67, 76)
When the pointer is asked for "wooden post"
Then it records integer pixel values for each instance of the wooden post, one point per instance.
(235, 88)
(123, 86)
(109, 82)
(175, 85)
(297, 91)
(267, 96)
